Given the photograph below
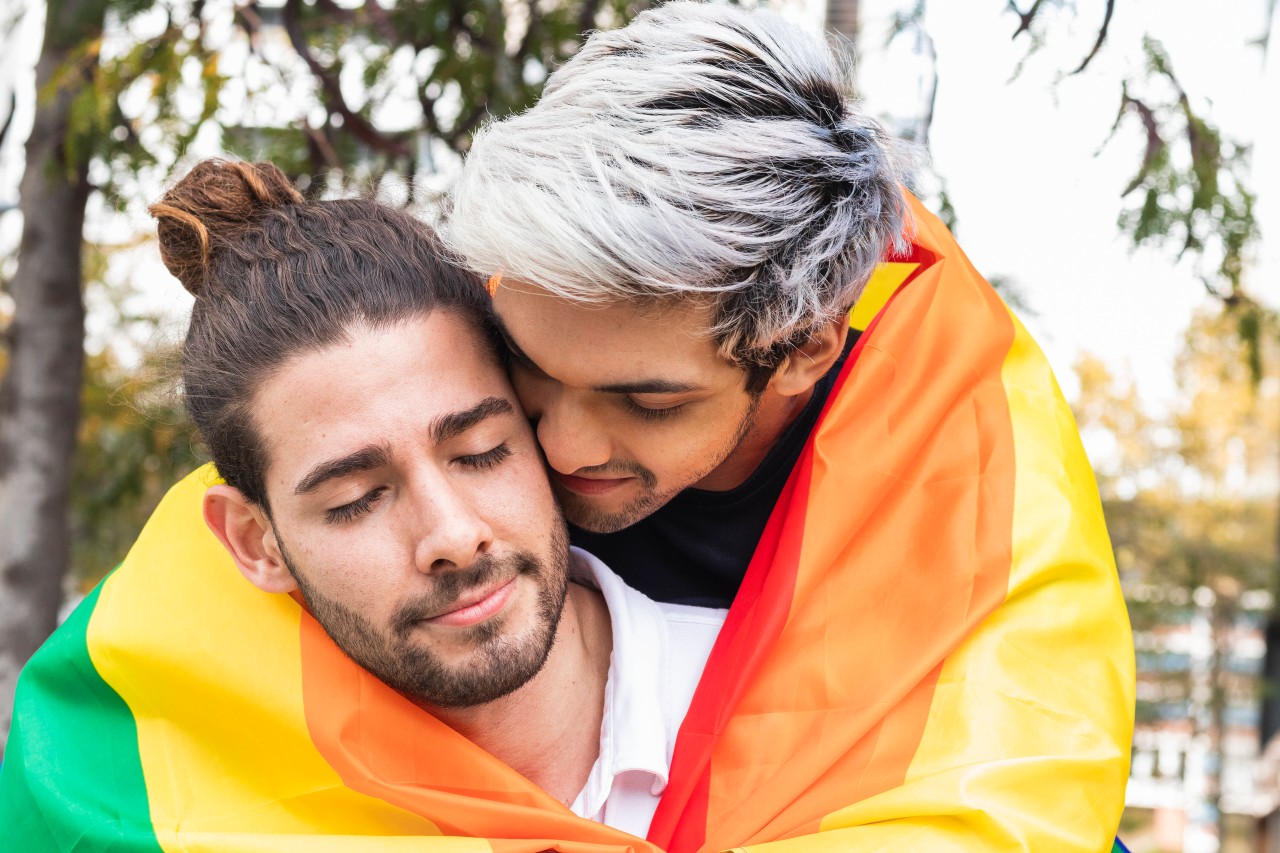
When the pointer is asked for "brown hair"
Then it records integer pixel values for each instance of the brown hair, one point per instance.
(274, 276)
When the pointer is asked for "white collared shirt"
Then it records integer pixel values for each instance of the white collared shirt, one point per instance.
(659, 651)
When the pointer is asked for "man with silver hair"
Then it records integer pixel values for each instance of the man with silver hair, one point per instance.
(681, 225)
(919, 655)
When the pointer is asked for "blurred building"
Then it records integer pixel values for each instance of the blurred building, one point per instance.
(1180, 777)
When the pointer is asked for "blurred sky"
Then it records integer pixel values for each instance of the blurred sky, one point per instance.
(1037, 202)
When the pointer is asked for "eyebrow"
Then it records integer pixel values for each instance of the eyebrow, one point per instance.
(364, 459)
(441, 429)
(453, 424)
(649, 386)
(638, 386)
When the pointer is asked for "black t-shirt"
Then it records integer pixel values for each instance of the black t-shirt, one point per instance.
(696, 548)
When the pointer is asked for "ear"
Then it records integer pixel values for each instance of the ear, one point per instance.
(247, 534)
(802, 369)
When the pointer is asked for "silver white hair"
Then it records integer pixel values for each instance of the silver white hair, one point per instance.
(702, 151)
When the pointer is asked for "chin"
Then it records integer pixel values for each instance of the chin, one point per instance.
(598, 517)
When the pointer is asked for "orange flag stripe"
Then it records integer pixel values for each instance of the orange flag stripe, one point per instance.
(382, 745)
(888, 560)
(871, 618)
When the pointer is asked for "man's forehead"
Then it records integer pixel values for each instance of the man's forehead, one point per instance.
(410, 382)
(654, 336)
(515, 296)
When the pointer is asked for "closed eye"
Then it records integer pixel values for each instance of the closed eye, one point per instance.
(488, 459)
(355, 509)
(650, 413)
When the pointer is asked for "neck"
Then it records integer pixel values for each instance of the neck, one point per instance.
(529, 729)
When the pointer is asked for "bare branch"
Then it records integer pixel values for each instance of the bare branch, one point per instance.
(466, 125)
(587, 17)
(8, 119)
(1155, 142)
(251, 22)
(926, 121)
(322, 153)
(1025, 18)
(381, 22)
(334, 100)
(428, 105)
(522, 49)
(1102, 36)
(122, 121)
(1210, 288)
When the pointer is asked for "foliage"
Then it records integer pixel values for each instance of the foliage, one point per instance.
(134, 443)
(134, 439)
(370, 90)
(1180, 487)
(1191, 181)
(1190, 190)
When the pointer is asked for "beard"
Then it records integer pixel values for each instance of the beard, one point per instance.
(504, 656)
(584, 513)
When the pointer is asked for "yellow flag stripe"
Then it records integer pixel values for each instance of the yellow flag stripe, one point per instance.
(885, 281)
(1032, 715)
(221, 729)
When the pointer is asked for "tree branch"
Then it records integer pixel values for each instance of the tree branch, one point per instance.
(428, 104)
(466, 125)
(522, 49)
(322, 153)
(381, 22)
(122, 121)
(1102, 36)
(8, 119)
(1025, 18)
(1155, 142)
(334, 101)
(926, 121)
(587, 17)
(251, 22)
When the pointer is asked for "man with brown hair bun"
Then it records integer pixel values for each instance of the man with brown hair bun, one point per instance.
(417, 652)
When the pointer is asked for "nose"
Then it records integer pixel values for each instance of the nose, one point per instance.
(455, 530)
(571, 438)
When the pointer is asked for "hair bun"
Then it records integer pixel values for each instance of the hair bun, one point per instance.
(212, 207)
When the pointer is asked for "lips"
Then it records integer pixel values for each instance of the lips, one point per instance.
(476, 608)
(589, 486)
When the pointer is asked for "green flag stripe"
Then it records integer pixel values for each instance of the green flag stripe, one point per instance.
(72, 777)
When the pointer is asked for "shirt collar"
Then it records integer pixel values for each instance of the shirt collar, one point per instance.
(633, 733)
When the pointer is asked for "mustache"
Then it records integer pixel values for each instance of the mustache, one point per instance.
(620, 468)
(449, 586)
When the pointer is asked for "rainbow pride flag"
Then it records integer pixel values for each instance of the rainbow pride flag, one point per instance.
(930, 652)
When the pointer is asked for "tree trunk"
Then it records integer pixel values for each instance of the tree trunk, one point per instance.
(842, 18)
(1223, 622)
(40, 394)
